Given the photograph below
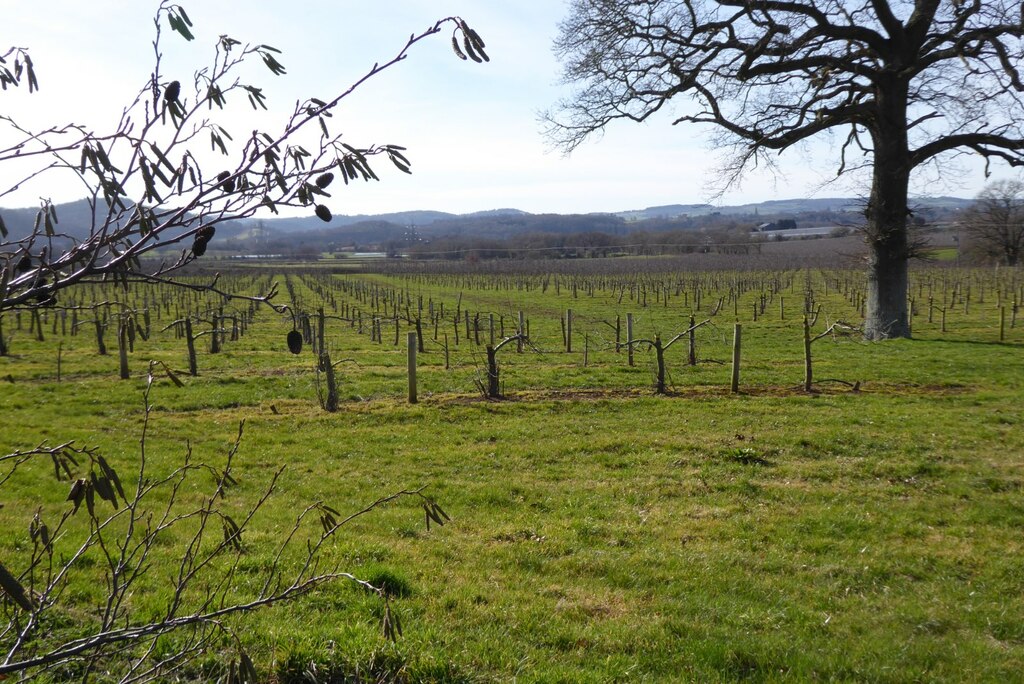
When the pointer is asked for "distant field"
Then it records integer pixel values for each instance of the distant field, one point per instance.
(869, 530)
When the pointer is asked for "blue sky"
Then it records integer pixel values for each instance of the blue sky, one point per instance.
(471, 130)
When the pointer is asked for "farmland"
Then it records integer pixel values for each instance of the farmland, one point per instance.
(868, 529)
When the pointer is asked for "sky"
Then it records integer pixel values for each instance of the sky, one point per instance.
(472, 130)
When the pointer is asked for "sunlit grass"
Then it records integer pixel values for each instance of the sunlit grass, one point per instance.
(600, 533)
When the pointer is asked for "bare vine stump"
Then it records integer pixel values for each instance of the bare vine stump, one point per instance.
(331, 402)
(101, 348)
(493, 385)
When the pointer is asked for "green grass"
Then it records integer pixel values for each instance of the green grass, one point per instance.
(600, 533)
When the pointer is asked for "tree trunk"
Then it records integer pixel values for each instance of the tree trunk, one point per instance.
(493, 385)
(886, 306)
(886, 313)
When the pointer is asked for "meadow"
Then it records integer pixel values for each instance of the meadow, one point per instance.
(866, 530)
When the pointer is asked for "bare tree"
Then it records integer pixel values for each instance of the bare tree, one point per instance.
(996, 221)
(122, 542)
(906, 84)
(153, 208)
(150, 190)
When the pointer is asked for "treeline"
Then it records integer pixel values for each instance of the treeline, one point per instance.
(581, 245)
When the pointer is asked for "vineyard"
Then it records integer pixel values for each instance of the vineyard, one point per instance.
(650, 472)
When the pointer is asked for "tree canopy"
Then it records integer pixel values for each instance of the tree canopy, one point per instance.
(904, 84)
(996, 221)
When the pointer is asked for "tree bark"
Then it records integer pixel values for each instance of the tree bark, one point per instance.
(493, 385)
(886, 305)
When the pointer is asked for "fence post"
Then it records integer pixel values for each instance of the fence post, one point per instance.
(412, 337)
(735, 385)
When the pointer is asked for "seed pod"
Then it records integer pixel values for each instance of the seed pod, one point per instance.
(77, 493)
(25, 264)
(203, 236)
(227, 184)
(324, 179)
(44, 299)
(172, 91)
(323, 213)
(458, 51)
(295, 342)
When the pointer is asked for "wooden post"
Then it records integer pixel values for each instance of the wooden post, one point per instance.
(629, 337)
(412, 337)
(568, 330)
(321, 331)
(122, 348)
(190, 344)
(691, 357)
(521, 331)
(735, 384)
(1002, 323)
(659, 352)
(808, 376)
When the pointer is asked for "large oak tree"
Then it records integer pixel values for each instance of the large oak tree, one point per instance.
(904, 85)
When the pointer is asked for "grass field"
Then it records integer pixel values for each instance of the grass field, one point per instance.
(599, 532)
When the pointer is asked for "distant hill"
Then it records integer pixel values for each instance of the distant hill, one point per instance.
(311, 233)
(783, 207)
